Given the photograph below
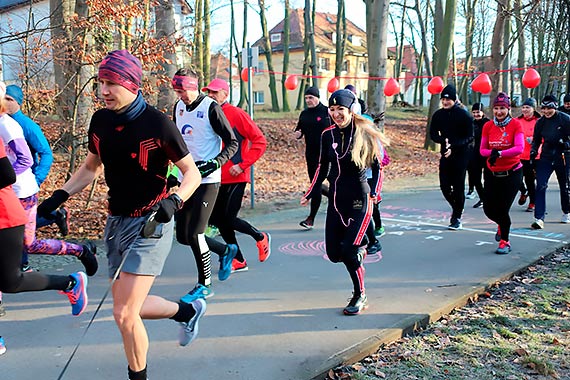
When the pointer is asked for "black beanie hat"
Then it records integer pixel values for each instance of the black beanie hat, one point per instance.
(312, 91)
(531, 102)
(477, 107)
(449, 92)
(549, 101)
(566, 98)
(343, 98)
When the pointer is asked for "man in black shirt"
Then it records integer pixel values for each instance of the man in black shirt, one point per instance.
(312, 122)
(566, 106)
(133, 143)
(452, 127)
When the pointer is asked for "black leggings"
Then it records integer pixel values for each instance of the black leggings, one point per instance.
(191, 223)
(312, 165)
(475, 170)
(452, 172)
(500, 192)
(529, 179)
(224, 216)
(12, 280)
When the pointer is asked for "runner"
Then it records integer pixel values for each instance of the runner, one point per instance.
(528, 121)
(204, 127)
(502, 142)
(476, 162)
(132, 143)
(348, 147)
(313, 120)
(236, 174)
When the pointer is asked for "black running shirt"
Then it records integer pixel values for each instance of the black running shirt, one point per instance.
(135, 158)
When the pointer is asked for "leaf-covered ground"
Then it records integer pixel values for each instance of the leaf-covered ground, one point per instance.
(518, 330)
(280, 175)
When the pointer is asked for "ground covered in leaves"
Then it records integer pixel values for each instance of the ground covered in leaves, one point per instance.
(519, 329)
(280, 175)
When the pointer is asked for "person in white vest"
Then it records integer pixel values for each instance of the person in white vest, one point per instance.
(212, 142)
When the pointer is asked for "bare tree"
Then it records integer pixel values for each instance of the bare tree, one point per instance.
(267, 51)
(164, 15)
(286, 31)
(340, 42)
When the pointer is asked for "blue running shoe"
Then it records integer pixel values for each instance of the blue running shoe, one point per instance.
(189, 331)
(226, 262)
(2, 346)
(78, 294)
(199, 291)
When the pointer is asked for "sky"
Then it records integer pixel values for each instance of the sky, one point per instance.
(220, 34)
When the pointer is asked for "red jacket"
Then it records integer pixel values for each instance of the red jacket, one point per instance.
(528, 130)
(252, 144)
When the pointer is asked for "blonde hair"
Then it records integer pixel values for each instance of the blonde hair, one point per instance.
(366, 136)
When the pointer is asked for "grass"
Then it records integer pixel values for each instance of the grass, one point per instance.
(521, 331)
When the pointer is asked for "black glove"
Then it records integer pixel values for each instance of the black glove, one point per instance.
(493, 157)
(564, 145)
(207, 167)
(52, 203)
(172, 181)
(167, 207)
(533, 154)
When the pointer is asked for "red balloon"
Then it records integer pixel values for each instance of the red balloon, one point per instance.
(435, 85)
(482, 84)
(244, 74)
(333, 84)
(291, 82)
(392, 87)
(531, 78)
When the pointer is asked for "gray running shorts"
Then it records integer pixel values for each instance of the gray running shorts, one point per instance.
(145, 256)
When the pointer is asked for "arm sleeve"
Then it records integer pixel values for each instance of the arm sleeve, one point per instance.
(537, 136)
(517, 148)
(484, 148)
(375, 183)
(434, 132)
(221, 126)
(7, 174)
(23, 155)
(248, 129)
(40, 145)
(466, 136)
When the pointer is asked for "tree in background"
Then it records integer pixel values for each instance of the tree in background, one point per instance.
(340, 41)
(266, 45)
(286, 32)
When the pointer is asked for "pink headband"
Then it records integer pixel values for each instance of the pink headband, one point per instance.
(182, 82)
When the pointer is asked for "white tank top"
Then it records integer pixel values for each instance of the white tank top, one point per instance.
(201, 139)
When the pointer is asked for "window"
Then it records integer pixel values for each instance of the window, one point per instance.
(276, 37)
(260, 68)
(324, 64)
(346, 66)
(364, 67)
(258, 97)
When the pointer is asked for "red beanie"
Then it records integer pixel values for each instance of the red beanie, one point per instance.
(123, 68)
(502, 100)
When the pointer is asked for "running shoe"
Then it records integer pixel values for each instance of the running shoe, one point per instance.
(470, 195)
(356, 305)
(504, 248)
(538, 224)
(78, 294)
(530, 207)
(226, 262)
(26, 268)
(498, 234)
(89, 258)
(238, 266)
(199, 291)
(62, 220)
(379, 232)
(307, 224)
(374, 248)
(2, 346)
(455, 224)
(565, 218)
(189, 330)
(478, 204)
(212, 231)
(264, 247)
(522, 199)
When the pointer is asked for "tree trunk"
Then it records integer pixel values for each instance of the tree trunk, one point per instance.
(497, 45)
(206, 43)
(314, 68)
(469, 31)
(521, 59)
(305, 82)
(444, 29)
(242, 85)
(340, 38)
(164, 16)
(376, 34)
(266, 42)
(286, 28)
(198, 53)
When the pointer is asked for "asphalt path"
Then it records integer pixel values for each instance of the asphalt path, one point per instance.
(282, 320)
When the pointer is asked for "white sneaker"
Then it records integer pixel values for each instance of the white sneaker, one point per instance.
(565, 218)
(470, 195)
(538, 224)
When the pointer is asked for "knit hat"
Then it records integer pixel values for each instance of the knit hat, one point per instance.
(343, 98)
(503, 100)
(549, 101)
(566, 98)
(15, 92)
(123, 68)
(2, 89)
(531, 102)
(217, 85)
(312, 91)
(477, 107)
(350, 88)
(449, 92)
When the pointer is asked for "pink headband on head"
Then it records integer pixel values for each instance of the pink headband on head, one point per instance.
(182, 82)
